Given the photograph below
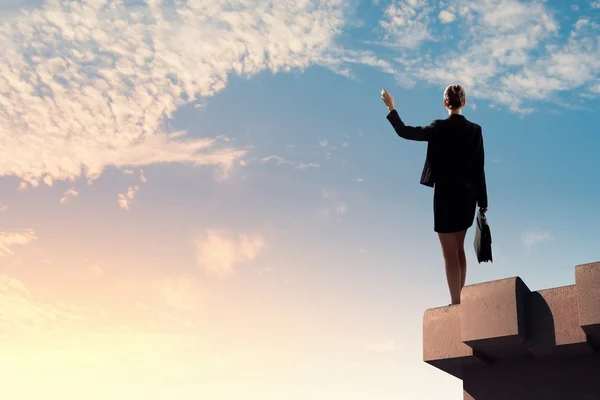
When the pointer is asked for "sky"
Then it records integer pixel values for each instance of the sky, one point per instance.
(204, 199)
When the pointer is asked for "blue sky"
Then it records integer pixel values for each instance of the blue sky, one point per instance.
(217, 200)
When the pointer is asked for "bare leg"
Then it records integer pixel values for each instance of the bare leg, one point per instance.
(450, 251)
(462, 258)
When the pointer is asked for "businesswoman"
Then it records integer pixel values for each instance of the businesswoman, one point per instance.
(455, 168)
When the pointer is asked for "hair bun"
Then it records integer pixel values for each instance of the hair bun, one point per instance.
(454, 95)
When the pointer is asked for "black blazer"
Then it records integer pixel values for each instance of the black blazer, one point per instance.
(455, 151)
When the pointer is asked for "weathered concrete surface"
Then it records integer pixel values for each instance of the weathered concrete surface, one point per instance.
(553, 324)
(587, 280)
(492, 317)
(506, 342)
(442, 346)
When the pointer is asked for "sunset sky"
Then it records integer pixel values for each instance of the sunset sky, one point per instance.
(204, 199)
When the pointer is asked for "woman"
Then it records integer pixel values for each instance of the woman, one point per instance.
(455, 157)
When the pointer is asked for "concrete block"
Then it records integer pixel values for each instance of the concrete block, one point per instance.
(442, 345)
(493, 317)
(553, 328)
(587, 281)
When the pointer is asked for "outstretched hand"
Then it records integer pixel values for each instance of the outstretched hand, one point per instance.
(388, 99)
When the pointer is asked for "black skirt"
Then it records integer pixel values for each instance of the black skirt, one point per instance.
(454, 207)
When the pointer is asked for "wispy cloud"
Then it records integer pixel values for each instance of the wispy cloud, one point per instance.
(293, 164)
(125, 199)
(335, 206)
(143, 178)
(103, 78)
(217, 253)
(9, 240)
(341, 208)
(69, 194)
(533, 237)
(181, 292)
(20, 312)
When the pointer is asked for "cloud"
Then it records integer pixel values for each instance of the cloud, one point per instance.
(510, 52)
(126, 199)
(407, 23)
(533, 237)
(218, 253)
(69, 194)
(88, 85)
(446, 17)
(8, 240)
(336, 209)
(335, 206)
(341, 208)
(143, 178)
(180, 292)
(20, 311)
(294, 164)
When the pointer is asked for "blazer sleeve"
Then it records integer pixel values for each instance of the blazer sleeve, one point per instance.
(482, 199)
(418, 133)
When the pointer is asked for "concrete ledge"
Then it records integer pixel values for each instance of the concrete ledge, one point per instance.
(553, 324)
(506, 342)
(442, 345)
(587, 279)
(493, 317)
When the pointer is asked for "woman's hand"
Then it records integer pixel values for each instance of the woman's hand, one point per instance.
(388, 99)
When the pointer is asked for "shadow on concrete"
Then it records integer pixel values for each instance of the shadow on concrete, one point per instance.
(540, 321)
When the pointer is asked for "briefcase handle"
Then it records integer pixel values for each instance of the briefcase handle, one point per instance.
(482, 218)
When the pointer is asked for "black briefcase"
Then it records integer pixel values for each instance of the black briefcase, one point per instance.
(483, 239)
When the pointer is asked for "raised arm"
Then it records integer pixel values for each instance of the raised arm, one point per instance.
(482, 199)
(418, 133)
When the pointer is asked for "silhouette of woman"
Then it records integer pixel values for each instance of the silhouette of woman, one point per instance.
(455, 168)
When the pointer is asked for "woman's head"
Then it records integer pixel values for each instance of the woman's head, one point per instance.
(454, 97)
